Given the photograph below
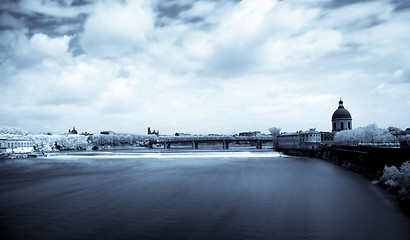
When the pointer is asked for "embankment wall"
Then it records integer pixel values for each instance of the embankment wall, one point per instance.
(368, 161)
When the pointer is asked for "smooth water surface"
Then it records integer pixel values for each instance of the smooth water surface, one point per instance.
(192, 196)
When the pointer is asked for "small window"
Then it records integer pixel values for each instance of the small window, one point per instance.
(348, 125)
(341, 125)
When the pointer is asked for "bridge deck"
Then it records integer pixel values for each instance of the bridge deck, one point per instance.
(206, 139)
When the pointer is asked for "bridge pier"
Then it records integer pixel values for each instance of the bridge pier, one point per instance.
(225, 144)
(167, 145)
(150, 145)
(194, 145)
(258, 144)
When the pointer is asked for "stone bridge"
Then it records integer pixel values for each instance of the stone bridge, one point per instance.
(167, 141)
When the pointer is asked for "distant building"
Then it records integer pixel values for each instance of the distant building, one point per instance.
(177, 134)
(153, 132)
(249, 134)
(15, 146)
(107, 132)
(72, 131)
(341, 119)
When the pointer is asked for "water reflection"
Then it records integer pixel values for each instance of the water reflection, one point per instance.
(192, 196)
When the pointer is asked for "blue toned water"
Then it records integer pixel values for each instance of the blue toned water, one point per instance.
(192, 195)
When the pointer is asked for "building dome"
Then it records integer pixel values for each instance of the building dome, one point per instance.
(341, 113)
(341, 118)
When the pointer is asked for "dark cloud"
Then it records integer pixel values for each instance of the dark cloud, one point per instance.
(363, 24)
(171, 10)
(167, 12)
(194, 20)
(55, 26)
(401, 5)
(342, 3)
(42, 23)
(66, 3)
(75, 47)
(10, 22)
(81, 2)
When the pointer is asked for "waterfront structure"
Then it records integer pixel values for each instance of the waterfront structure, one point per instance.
(15, 146)
(341, 119)
(300, 140)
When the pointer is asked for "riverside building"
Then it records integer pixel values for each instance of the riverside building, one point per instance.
(300, 140)
(312, 139)
(15, 146)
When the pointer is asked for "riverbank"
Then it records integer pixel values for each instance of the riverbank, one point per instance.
(368, 161)
(19, 155)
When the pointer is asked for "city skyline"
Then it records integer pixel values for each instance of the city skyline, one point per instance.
(202, 66)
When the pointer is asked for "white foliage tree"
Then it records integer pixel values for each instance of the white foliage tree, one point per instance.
(397, 179)
(5, 130)
(368, 134)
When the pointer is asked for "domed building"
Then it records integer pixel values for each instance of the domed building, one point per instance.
(341, 119)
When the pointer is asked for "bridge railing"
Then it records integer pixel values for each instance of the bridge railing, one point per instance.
(212, 138)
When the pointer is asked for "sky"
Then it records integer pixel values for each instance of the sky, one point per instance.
(202, 67)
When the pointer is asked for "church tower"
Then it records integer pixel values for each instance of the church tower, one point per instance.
(341, 119)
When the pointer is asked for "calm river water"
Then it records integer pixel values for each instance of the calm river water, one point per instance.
(192, 195)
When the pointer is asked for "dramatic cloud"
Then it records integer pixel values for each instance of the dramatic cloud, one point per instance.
(202, 66)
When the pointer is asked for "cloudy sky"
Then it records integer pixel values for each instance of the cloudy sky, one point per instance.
(202, 66)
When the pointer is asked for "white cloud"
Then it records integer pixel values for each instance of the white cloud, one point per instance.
(25, 52)
(299, 50)
(116, 29)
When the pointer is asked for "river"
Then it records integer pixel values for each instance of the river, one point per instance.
(192, 195)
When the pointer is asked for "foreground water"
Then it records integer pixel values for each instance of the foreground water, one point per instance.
(192, 196)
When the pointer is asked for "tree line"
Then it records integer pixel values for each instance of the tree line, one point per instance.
(50, 142)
